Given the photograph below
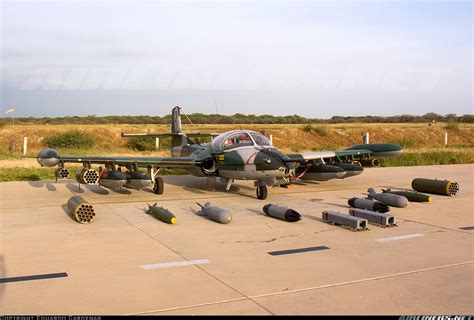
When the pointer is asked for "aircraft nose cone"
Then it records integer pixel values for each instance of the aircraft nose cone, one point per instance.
(48, 157)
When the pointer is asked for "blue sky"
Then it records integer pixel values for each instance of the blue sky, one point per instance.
(312, 58)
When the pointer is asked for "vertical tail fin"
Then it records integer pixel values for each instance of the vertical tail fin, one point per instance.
(177, 140)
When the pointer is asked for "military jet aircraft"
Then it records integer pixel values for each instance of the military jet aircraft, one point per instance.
(233, 155)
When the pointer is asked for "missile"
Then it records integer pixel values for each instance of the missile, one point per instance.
(161, 214)
(80, 209)
(282, 213)
(321, 172)
(442, 187)
(351, 169)
(389, 199)
(113, 179)
(368, 204)
(215, 213)
(137, 180)
(412, 196)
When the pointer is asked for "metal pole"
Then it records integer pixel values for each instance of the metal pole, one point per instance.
(25, 145)
(366, 137)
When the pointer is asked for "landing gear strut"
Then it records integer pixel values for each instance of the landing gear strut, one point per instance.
(158, 186)
(262, 192)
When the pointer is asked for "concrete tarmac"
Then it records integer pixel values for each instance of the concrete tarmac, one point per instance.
(128, 263)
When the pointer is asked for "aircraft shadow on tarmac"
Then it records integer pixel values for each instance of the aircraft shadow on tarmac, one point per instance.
(95, 189)
(40, 184)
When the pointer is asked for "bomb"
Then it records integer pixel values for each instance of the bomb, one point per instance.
(442, 187)
(282, 213)
(368, 204)
(82, 211)
(388, 198)
(412, 196)
(161, 214)
(215, 213)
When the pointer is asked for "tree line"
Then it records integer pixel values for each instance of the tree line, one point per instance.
(238, 118)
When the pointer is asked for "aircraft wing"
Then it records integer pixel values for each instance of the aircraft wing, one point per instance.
(51, 158)
(306, 157)
(355, 152)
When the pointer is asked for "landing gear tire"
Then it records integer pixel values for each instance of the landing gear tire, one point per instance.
(262, 192)
(357, 163)
(158, 186)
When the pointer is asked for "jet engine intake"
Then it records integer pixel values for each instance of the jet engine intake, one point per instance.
(209, 166)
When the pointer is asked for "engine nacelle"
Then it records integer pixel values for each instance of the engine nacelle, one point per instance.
(87, 176)
(61, 173)
(137, 180)
(209, 167)
(113, 179)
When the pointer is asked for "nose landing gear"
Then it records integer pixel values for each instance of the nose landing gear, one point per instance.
(262, 192)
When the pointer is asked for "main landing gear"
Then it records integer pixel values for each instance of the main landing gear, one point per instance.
(158, 186)
(262, 192)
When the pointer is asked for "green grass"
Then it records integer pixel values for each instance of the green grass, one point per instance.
(429, 158)
(26, 174)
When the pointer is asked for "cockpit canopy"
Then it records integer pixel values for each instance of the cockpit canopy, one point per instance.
(238, 138)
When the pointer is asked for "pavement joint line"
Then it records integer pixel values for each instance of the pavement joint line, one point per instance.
(361, 280)
(188, 306)
(301, 290)
(244, 296)
(433, 225)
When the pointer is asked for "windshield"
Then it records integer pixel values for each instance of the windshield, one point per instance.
(260, 139)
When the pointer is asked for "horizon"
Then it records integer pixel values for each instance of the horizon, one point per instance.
(316, 59)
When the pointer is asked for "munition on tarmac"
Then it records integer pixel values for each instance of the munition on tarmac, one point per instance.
(435, 186)
(215, 213)
(412, 196)
(82, 211)
(282, 213)
(161, 214)
(380, 219)
(368, 204)
(389, 199)
(337, 218)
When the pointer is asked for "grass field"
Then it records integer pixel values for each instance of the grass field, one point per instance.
(423, 144)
